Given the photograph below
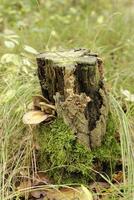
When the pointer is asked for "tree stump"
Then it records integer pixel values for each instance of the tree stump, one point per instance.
(73, 81)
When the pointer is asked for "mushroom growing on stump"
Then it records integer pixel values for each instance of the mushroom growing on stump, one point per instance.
(73, 81)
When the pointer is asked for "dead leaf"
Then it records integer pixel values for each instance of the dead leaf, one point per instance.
(38, 194)
(118, 177)
(80, 193)
(99, 187)
(41, 178)
(51, 193)
(35, 117)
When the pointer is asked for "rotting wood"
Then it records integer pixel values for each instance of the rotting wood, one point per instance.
(73, 81)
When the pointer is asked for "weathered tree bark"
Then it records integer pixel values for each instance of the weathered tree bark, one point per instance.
(73, 81)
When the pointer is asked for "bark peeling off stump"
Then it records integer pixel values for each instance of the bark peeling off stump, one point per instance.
(73, 80)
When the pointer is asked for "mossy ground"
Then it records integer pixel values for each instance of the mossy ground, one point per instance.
(67, 161)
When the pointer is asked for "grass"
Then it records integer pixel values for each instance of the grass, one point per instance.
(105, 27)
(126, 148)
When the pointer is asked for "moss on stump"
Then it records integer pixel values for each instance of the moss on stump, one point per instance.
(67, 161)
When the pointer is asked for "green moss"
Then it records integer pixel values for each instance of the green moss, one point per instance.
(68, 161)
(109, 153)
(60, 153)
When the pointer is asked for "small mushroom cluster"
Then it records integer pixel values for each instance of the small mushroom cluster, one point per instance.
(40, 110)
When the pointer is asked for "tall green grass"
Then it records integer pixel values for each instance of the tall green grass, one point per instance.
(16, 141)
(103, 26)
(127, 149)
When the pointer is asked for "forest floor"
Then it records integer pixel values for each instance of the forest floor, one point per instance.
(30, 27)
